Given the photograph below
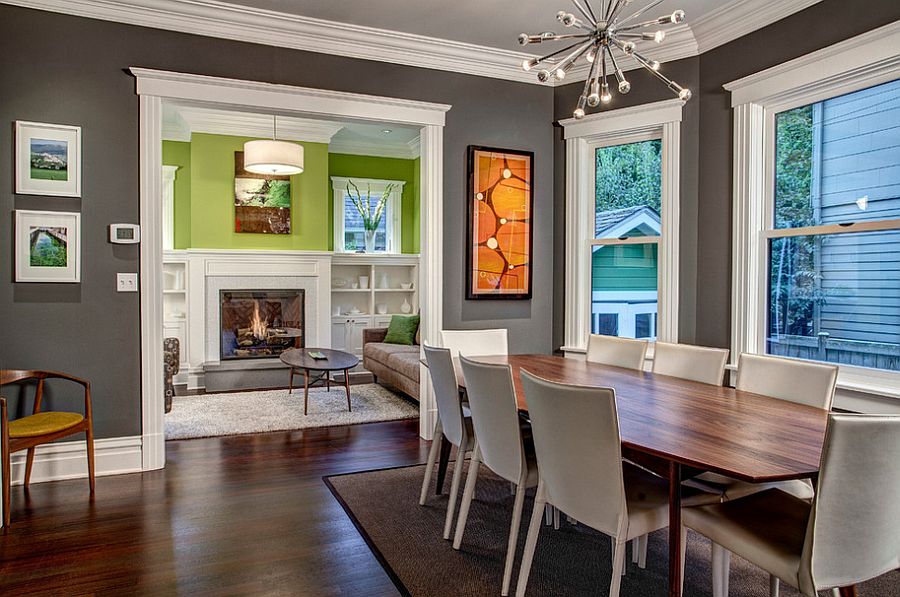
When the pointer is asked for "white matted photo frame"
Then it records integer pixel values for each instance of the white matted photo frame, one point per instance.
(48, 159)
(48, 246)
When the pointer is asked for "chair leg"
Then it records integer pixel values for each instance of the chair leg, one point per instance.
(6, 480)
(618, 564)
(555, 518)
(513, 536)
(774, 585)
(721, 562)
(454, 490)
(29, 462)
(548, 514)
(432, 458)
(635, 549)
(468, 494)
(642, 552)
(534, 529)
(89, 441)
(681, 555)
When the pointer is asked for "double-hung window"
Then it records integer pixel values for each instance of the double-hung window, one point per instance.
(817, 211)
(349, 223)
(622, 188)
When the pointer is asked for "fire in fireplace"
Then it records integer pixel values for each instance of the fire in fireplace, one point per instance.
(260, 323)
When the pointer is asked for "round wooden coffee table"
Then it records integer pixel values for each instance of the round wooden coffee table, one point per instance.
(317, 370)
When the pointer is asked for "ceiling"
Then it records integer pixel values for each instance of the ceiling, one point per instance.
(495, 24)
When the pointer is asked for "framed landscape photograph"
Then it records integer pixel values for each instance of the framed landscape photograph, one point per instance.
(262, 202)
(499, 232)
(48, 159)
(48, 246)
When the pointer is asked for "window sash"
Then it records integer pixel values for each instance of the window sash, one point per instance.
(392, 214)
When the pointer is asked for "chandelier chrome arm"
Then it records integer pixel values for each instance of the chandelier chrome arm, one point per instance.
(604, 35)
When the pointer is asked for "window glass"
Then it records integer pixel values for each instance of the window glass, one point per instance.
(628, 190)
(354, 230)
(838, 161)
(836, 298)
(624, 285)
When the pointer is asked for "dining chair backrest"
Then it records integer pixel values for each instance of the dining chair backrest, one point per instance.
(854, 528)
(696, 363)
(446, 393)
(803, 382)
(579, 451)
(615, 351)
(495, 417)
(471, 343)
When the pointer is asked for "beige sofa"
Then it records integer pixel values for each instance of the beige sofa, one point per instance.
(396, 365)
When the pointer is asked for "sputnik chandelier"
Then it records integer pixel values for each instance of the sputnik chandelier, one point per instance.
(604, 34)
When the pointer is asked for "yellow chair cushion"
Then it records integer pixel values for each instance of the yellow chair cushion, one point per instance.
(43, 424)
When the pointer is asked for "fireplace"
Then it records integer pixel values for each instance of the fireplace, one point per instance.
(260, 323)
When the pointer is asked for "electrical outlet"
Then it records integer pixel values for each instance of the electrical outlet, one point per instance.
(126, 282)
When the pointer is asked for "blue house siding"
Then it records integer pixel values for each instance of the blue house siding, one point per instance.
(860, 161)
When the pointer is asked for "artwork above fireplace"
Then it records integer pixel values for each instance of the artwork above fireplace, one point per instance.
(260, 323)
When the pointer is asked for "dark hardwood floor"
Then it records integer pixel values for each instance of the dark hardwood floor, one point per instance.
(234, 515)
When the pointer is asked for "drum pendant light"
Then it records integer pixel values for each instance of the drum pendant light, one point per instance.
(273, 157)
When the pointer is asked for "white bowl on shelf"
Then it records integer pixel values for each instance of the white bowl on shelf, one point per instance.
(405, 285)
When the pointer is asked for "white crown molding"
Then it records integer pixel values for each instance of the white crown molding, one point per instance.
(739, 17)
(198, 119)
(212, 18)
(403, 150)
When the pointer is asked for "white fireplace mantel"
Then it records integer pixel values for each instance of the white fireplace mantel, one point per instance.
(212, 270)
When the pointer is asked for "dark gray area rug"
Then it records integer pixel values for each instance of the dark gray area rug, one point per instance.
(575, 560)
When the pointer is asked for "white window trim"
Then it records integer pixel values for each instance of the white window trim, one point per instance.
(857, 63)
(659, 120)
(394, 209)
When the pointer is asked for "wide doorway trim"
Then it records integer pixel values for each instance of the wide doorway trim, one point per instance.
(154, 86)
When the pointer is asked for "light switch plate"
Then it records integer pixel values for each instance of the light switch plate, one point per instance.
(126, 283)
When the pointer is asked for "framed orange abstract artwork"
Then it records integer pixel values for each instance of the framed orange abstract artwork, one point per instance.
(500, 223)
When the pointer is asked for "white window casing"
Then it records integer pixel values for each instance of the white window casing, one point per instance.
(863, 61)
(392, 214)
(659, 120)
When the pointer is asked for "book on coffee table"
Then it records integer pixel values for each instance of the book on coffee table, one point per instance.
(315, 354)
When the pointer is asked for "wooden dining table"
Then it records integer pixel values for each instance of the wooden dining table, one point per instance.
(679, 428)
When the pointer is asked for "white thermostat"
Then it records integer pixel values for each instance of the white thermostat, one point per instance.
(124, 234)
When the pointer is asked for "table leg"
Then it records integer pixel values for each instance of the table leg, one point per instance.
(848, 591)
(446, 446)
(305, 391)
(347, 385)
(674, 529)
(291, 382)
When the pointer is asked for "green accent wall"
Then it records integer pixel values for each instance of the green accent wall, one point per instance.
(178, 153)
(362, 166)
(212, 199)
(204, 195)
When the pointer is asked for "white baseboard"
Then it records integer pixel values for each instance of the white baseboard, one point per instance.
(68, 460)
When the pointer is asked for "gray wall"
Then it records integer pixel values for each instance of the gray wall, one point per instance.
(69, 70)
(706, 191)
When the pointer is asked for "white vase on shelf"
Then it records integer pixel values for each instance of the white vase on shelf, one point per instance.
(383, 282)
(405, 307)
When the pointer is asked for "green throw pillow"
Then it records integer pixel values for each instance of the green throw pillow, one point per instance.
(402, 329)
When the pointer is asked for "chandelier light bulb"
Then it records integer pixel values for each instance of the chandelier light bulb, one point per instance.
(684, 95)
(569, 19)
(659, 36)
(528, 63)
(653, 64)
(628, 47)
(560, 15)
(578, 113)
(593, 100)
(579, 109)
(543, 75)
(678, 16)
(591, 55)
(524, 39)
(624, 86)
(560, 74)
(605, 95)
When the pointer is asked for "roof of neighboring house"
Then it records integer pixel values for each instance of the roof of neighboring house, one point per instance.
(621, 221)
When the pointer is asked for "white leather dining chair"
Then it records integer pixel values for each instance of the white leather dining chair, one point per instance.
(849, 534)
(581, 472)
(451, 423)
(500, 446)
(696, 363)
(617, 352)
(803, 382)
(470, 343)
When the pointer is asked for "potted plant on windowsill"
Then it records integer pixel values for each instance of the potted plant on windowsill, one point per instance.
(371, 218)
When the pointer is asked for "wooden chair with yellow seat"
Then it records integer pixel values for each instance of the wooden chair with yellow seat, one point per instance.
(41, 427)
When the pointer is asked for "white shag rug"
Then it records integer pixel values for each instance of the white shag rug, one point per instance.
(211, 415)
